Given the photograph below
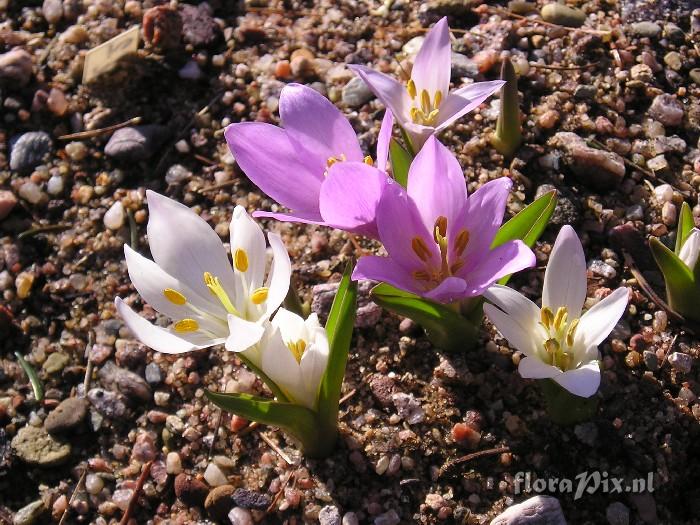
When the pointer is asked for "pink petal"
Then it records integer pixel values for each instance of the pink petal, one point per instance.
(384, 140)
(392, 94)
(386, 270)
(433, 63)
(508, 258)
(464, 100)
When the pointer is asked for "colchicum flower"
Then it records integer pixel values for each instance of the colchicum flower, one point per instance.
(192, 282)
(691, 249)
(558, 342)
(292, 164)
(294, 354)
(437, 239)
(424, 105)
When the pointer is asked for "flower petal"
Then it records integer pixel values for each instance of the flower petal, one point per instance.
(517, 333)
(161, 339)
(184, 245)
(279, 363)
(483, 217)
(272, 162)
(384, 269)
(534, 368)
(565, 276)
(597, 323)
(449, 290)
(691, 249)
(515, 304)
(243, 334)
(315, 127)
(583, 381)
(433, 63)
(436, 184)
(247, 236)
(505, 259)
(466, 99)
(349, 197)
(384, 139)
(278, 281)
(310, 218)
(392, 94)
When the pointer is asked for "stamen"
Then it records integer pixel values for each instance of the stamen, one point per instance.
(411, 88)
(368, 160)
(571, 333)
(214, 285)
(259, 295)
(415, 114)
(461, 242)
(425, 101)
(186, 325)
(457, 266)
(174, 296)
(420, 248)
(560, 318)
(437, 99)
(297, 348)
(420, 275)
(240, 260)
(441, 226)
(547, 317)
(552, 347)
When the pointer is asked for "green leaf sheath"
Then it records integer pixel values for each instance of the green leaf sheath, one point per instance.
(400, 162)
(682, 290)
(508, 136)
(685, 225)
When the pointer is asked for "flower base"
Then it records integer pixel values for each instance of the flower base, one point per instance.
(565, 408)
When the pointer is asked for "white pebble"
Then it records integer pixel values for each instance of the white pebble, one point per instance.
(76, 150)
(214, 477)
(114, 218)
(669, 213)
(663, 193)
(55, 185)
(173, 464)
(94, 484)
(240, 516)
(30, 192)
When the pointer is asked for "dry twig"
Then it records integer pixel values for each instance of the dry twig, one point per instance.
(78, 488)
(101, 131)
(137, 491)
(473, 455)
(277, 449)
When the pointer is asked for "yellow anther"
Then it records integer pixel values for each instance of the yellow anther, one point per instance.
(421, 275)
(461, 242)
(186, 325)
(552, 346)
(547, 317)
(240, 260)
(457, 266)
(437, 99)
(432, 116)
(368, 160)
(174, 296)
(560, 318)
(215, 287)
(415, 115)
(297, 349)
(332, 160)
(425, 101)
(259, 295)
(420, 248)
(411, 88)
(441, 226)
(571, 333)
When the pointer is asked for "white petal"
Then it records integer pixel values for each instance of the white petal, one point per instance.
(279, 364)
(313, 367)
(290, 325)
(691, 249)
(247, 235)
(520, 337)
(280, 274)
(583, 382)
(597, 323)
(243, 334)
(161, 339)
(514, 304)
(150, 281)
(184, 245)
(565, 276)
(535, 368)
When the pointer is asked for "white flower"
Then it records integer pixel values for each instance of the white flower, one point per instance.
(691, 249)
(192, 282)
(558, 342)
(294, 355)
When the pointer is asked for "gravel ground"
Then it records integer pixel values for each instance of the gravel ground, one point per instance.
(612, 119)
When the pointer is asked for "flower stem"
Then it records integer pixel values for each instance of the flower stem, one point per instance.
(565, 408)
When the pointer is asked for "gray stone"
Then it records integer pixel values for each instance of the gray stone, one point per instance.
(55, 362)
(134, 144)
(67, 416)
(585, 92)
(602, 170)
(564, 15)
(329, 515)
(356, 93)
(388, 518)
(462, 67)
(36, 446)
(132, 385)
(109, 404)
(7, 203)
(540, 510)
(617, 514)
(52, 11)
(239, 516)
(408, 408)
(153, 373)
(198, 26)
(28, 150)
(565, 211)
(681, 362)
(249, 499)
(666, 109)
(645, 29)
(177, 174)
(651, 360)
(16, 68)
(29, 514)
(368, 313)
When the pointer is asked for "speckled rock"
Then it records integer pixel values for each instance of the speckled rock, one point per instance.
(645, 29)
(249, 499)
(134, 144)
(132, 385)
(109, 404)
(29, 514)
(36, 446)
(602, 170)
(28, 150)
(539, 510)
(15, 68)
(329, 515)
(198, 27)
(667, 110)
(356, 93)
(67, 416)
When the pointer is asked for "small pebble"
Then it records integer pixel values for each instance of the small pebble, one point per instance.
(213, 476)
(114, 218)
(173, 464)
(681, 362)
(94, 484)
(31, 192)
(240, 516)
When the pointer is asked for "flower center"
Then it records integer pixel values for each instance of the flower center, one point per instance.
(216, 289)
(561, 334)
(297, 348)
(431, 274)
(424, 111)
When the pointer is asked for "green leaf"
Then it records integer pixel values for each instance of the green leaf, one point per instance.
(37, 387)
(682, 292)
(444, 326)
(686, 223)
(508, 136)
(400, 162)
(339, 327)
(295, 419)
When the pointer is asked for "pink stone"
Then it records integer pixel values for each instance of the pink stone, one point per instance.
(7, 203)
